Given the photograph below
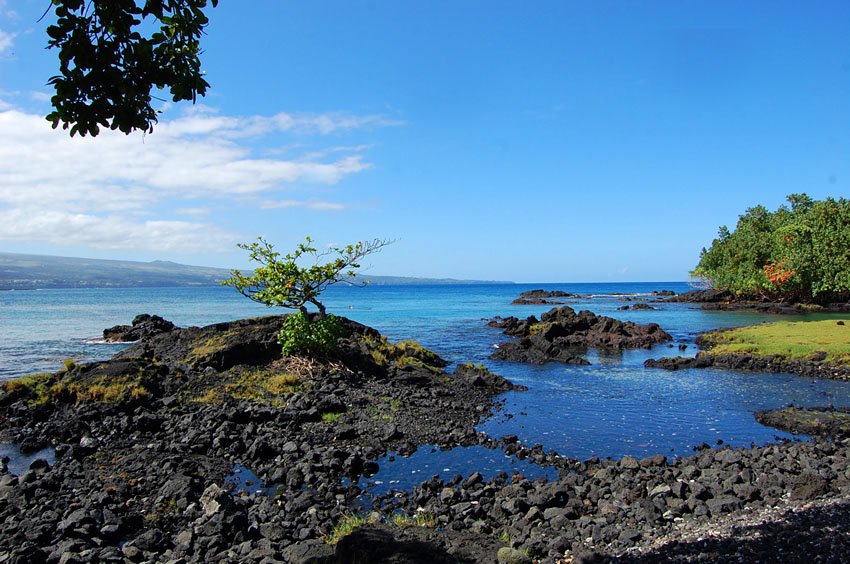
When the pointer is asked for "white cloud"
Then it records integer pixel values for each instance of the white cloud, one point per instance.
(101, 191)
(110, 232)
(201, 120)
(39, 96)
(6, 41)
(311, 204)
(195, 212)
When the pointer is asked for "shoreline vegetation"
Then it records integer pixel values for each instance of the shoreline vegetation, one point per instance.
(808, 348)
(145, 444)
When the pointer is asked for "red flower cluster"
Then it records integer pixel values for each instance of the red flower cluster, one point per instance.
(777, 273)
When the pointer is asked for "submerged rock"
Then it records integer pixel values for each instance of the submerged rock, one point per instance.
(826, 421)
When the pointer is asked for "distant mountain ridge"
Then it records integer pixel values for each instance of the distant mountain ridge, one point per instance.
(30, 272)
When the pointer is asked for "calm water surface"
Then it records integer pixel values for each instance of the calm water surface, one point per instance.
(611, 408)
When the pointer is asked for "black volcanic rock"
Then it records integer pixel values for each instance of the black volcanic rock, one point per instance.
(710, 295)
(546, 294)
(539, 297)
(640, 306)
(144, 326)
(826, 421)
(562, 333)
(678, 362)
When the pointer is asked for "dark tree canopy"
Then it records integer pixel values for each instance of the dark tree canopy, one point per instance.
(113, 53)
(799, 253)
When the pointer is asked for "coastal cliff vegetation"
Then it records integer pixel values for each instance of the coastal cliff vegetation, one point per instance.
(799, 253)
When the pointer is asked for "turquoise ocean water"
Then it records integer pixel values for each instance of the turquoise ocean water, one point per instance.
(611, 408)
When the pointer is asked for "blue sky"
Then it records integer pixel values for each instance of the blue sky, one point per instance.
(545, 141)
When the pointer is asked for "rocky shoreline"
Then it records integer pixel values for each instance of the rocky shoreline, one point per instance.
(724, 300)
(147, 443)
(754, 363)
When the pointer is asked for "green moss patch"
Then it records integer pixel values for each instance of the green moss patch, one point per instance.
(71, 387)
(402, 354)
(271, 385)
(203, 348)
(793, 340)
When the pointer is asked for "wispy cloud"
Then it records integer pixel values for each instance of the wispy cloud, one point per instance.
(201, 120)
(309, 204)
(104, 192)
(6, 41)
(110, 231)
(39, 96)
(194, 212)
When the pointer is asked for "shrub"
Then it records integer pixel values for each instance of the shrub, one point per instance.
(300, 336)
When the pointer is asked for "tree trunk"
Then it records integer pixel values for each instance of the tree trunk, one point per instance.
(322, 310)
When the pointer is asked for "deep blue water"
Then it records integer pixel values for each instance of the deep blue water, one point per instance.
(611, 408)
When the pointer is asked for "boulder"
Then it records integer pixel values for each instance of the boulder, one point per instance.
(144, 326)
(562, 334)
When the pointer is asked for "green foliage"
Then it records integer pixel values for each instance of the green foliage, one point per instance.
(801, 253)
(282, 280)
(302, 337)
(403, 353)
(285, 281)
(34, 387)
(268, 385)
(420, 519)
(44, 389)
(112, 54)
(345, 527)
(793, 340)
(331, 417)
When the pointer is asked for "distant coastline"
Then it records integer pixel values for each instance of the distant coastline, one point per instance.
(45, 272)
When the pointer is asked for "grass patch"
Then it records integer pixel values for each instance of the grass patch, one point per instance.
(204, 347)
(103, 389)
(793, 340)
(331, 417)
(36, 387)
(401, 519)
(345, 527)
(401, 354)
(45, 388)
(269, 385)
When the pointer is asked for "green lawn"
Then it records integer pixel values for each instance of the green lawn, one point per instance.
(791, 339)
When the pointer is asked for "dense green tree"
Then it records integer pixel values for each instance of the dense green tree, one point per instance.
(799, 253)
(114, 53)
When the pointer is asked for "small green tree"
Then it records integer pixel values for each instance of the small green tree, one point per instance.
(286, 281)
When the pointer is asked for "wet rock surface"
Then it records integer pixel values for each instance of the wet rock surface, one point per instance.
(744, 361)
(562, 335)
(827, 421)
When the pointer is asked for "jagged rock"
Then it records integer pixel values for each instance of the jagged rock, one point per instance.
(144, 326)
(561, 334)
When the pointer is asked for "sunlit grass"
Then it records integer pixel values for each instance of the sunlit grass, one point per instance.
(797, 340)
